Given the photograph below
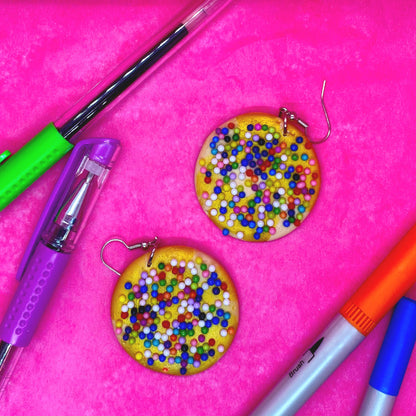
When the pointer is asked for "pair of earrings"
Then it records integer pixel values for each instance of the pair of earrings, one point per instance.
(257, 178)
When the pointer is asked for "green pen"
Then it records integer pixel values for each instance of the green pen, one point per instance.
(20, 170)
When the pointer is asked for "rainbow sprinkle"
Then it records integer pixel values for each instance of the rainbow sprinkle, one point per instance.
(255, 183)
(178, 317)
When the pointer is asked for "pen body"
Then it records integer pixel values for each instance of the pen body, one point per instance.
(305, 376)
(32, 296)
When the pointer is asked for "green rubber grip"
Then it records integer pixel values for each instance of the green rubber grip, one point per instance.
(21, 169)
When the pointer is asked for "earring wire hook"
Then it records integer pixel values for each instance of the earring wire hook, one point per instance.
(153, 244)
(290, 116)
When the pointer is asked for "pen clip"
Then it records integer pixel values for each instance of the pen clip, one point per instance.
(100, 150)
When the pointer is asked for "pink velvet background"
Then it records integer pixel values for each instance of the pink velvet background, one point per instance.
(258, 53)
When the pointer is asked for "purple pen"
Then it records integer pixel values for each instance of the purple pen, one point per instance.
(54, 239)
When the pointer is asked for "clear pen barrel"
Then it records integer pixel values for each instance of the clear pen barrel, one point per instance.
(71, 218)
(137, 67)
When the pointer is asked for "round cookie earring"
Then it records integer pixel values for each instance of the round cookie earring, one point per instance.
(257, 176)
(174, 311)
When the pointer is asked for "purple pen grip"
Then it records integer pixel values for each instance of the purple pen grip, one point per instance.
(32, 296)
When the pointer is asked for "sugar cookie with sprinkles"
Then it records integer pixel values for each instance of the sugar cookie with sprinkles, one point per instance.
(254, 182)
(178, 316)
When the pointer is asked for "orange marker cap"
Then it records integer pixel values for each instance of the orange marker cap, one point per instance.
(385, 286)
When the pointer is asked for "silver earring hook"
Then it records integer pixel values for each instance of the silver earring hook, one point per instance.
(287, 115)
(145, 246)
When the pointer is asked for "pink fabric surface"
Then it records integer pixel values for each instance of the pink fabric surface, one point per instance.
(258, 53)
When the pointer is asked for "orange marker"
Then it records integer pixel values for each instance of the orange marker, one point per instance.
(357, 318)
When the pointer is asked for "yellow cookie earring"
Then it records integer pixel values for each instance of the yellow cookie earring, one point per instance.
(257, 176)
(174, 311)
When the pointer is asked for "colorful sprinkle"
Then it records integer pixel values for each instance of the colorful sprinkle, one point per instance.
(268, 182)
(174, 319)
